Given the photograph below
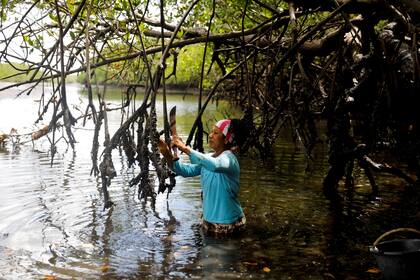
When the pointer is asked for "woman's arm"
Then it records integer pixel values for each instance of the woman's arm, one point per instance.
(222, 163)
(185, 169)
(166, 152)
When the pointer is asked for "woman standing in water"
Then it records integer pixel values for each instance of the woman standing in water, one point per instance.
(219, 170)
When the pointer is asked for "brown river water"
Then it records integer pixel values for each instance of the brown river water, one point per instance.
(53, 225)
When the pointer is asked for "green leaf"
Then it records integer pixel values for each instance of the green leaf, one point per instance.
(52, 17)
(71, 6)
(26, 38)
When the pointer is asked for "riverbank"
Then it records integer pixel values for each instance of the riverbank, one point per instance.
(170, 88)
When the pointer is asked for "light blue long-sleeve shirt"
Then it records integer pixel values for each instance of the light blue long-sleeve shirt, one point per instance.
(220, 183)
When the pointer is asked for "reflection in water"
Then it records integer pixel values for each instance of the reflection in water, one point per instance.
(52, 221)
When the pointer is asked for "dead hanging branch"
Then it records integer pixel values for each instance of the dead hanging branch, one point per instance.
(95, 145)
(106, 167)
(144, 188)
(161, 172)
(162, 169)
(146, 135)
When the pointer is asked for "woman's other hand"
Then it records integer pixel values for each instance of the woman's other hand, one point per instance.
(164, 149)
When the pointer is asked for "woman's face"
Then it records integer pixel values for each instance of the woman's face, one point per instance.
(216, 139)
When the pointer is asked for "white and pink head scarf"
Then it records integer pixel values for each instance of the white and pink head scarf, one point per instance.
(225, 127)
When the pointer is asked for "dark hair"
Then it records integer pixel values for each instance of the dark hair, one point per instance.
(240, 132)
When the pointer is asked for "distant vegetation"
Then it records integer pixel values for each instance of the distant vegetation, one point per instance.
(13, 73)
(188, 70)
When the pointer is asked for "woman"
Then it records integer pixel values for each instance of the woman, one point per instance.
(222, 212)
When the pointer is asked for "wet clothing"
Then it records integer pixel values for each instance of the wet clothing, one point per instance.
(223, 229)
(220, 183)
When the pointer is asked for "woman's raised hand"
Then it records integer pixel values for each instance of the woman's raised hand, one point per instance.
(164, 149)
(177, 141)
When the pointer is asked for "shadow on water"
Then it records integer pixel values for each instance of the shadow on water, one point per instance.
(52, 221)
